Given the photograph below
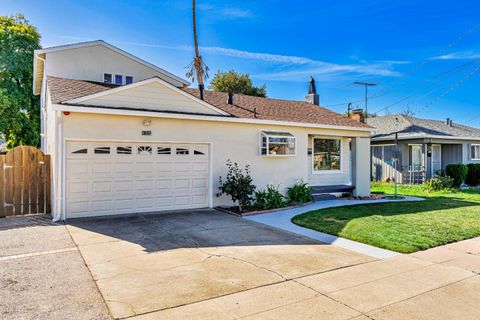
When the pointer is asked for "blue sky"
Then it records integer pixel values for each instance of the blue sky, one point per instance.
(424, 55)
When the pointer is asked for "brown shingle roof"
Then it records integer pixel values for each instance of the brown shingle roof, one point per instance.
(62, 90)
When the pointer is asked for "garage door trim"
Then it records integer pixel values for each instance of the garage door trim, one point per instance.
(65, 154)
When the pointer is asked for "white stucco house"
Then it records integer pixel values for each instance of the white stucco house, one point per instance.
(126, 136)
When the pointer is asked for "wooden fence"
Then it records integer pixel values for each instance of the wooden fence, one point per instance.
(24, 182)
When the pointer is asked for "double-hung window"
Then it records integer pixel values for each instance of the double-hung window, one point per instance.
(107, 78)
(277, 144)
(475, 151)
(118, 79)
(327, 155)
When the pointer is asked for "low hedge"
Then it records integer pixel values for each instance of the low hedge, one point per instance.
(473, 175)
(458, 172)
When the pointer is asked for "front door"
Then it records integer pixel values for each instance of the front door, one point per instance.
(436, 159)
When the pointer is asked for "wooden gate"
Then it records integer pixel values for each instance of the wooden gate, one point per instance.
(24, 182)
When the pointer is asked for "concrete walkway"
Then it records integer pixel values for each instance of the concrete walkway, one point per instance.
(282, 220)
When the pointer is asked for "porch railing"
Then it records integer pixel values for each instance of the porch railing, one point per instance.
(413, 174)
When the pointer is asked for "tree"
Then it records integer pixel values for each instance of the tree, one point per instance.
(234, 82)
(197, 68)
(408, 111)
(19, 107)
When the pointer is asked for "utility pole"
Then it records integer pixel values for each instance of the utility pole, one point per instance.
(366, 84)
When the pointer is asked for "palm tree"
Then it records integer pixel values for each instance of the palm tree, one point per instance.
(197, 68)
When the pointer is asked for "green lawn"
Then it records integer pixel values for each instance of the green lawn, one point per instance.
(444, 217)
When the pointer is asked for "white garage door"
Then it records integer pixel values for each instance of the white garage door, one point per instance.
(115, 178)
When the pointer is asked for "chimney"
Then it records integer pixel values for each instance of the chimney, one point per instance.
(312, 96)
(449, 122)
(230, 98)
(358, 115)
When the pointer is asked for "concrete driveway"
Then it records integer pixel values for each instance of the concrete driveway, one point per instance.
(150, 264)
(42, 275)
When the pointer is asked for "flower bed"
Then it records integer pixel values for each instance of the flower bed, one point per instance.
(235, 211)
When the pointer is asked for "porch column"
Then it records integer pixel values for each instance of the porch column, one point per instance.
(361, 166)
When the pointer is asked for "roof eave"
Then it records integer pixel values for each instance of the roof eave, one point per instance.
(160, 114)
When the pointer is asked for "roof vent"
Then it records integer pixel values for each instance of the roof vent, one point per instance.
(230, 98)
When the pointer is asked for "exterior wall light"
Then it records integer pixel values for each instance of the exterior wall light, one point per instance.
(147, 123)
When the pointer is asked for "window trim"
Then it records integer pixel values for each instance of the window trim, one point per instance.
(320, 172)
(112, 75)
(268, 135)
(125, 77)
(478, 155)
(122, 77)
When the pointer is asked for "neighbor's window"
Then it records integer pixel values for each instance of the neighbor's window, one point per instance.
(327, 154)
(277, 144)
(128, 79)
(118, 79)
(107, 78)
(475, 151)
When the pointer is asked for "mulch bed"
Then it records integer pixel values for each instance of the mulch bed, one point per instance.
(234, 210)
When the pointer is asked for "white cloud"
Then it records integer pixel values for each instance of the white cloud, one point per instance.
(268, 57)
(461, 55)
(236, 13)
(293, 67)
(225, 12)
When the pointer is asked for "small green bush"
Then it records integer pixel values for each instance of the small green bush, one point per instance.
(300, 192)
(269, 198)
(473, 175)
(238, 185)
(440, 183)
(458, 172)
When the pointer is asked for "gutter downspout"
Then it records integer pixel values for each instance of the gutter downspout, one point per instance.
(59, 214)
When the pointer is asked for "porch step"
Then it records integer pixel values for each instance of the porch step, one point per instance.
(332, 189)
(323, 197)
(322, 193)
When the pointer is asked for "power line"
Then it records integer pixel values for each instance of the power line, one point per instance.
(440, 78)
(420, 64)
(451, 88)
(423, 62)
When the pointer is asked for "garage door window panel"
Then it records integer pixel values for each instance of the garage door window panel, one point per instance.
(101, 150)
(144, 150)
(183, 151)
(164, 150)
(124, 150)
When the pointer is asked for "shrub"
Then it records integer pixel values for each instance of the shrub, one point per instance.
(440, 183)
(473, 175)
(238, 185)
(458, 172)
(300, 192)
(269, 198)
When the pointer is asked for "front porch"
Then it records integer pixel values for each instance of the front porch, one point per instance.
(413, 162)
(337, 165)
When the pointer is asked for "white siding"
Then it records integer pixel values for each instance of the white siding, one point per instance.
(235, 141)
(90, 63)
(152, 96)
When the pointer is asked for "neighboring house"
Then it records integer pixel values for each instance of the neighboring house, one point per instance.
(424, 147)
(3, 147)
(126, 136)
